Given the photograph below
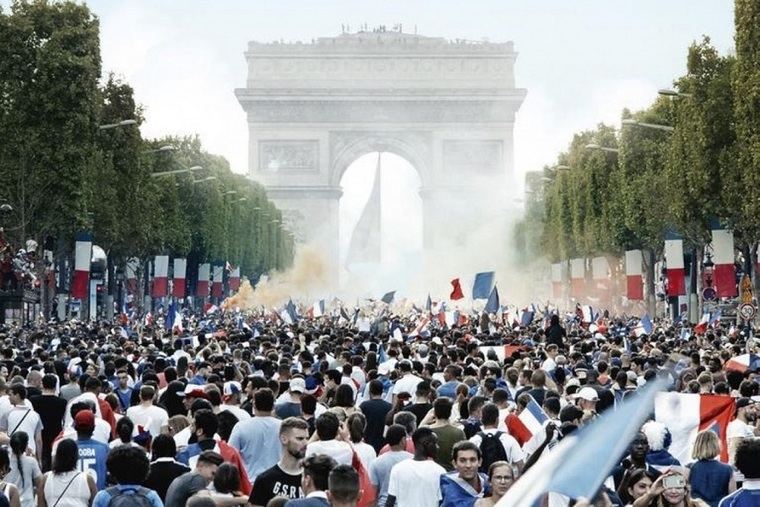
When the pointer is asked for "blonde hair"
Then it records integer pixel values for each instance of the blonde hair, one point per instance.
(706, 446)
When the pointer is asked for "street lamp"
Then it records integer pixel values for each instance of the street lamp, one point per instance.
(204, 180)
(162, 149)
(176, 171)
(561, 167)
(122, 123)
(595, 146)
(242, 199)
(655, 126)
(230, 192)
(667, 92)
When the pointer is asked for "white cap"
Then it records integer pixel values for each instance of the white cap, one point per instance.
(588, 394)
(297, 385)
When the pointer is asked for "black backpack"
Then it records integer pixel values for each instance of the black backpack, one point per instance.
(491, 449)
(130, 496)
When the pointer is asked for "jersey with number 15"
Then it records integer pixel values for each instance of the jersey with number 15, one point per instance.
(92, 459)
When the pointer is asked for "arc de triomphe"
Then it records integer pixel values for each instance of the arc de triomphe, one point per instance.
(448, 107)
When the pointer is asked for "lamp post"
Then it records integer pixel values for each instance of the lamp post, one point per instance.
(655, 126)
(595, 146)
(183, 170)
(122, 123)
(668, 92)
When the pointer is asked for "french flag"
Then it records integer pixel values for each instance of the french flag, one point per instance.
(531, 420)
(456, 290)
(317, 309)
(644, 327)
(634, 284)
(675, 267)
(701, 327)
(204, 271)
(82, 257)
(687, 414)
(577, 278)
(587, 314)
(160, 276)
(180, 271)
(724, 272)
(557, 280)
(216, 285)
(234, 280)
(579, 464)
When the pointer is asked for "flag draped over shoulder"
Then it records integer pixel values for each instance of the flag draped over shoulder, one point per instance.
(365, 240)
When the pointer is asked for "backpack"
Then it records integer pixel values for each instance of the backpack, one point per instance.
(491, 449)
(129, 496)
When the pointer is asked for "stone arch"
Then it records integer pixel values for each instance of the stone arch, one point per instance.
(411, 150)
(448, 107)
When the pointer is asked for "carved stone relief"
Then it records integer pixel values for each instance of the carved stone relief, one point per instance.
(277, 156)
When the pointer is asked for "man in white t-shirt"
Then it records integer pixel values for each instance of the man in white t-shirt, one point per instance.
(146, 414)
(490, 420)
(550, 363)
(22, 418)
(331, 442)
(408, 382)
(417, 482)
(232, 392)
(742, 427)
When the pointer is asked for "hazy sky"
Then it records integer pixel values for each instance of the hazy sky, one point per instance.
(582, 62)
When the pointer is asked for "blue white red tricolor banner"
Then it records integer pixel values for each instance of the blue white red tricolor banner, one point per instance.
(217, 281)
(675, 267)
(160, 276)
(724, 271)
(686, 414)
(82, 256)
(634, 285)
(204, 273)
(180, 273)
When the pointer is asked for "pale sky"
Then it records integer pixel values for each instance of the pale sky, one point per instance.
(581, 61)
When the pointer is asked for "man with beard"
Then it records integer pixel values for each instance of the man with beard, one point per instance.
(284, 478)
(743, 426)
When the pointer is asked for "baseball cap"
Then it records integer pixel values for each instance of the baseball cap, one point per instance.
(297, 385)
(84, 419)
(231, 388)
(193, 391)
(383, 369)
(588, 394)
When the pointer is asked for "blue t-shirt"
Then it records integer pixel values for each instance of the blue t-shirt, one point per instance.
(92, 459)
(743, 497)
(103, 498)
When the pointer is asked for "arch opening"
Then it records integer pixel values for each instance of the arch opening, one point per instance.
(380, 249)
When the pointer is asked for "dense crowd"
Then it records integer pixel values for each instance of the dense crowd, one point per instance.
(251, 411)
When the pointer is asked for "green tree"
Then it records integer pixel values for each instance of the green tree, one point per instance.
(49, 113)
(746, 88)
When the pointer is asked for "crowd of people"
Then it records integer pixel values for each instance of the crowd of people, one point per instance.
(258, 412)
